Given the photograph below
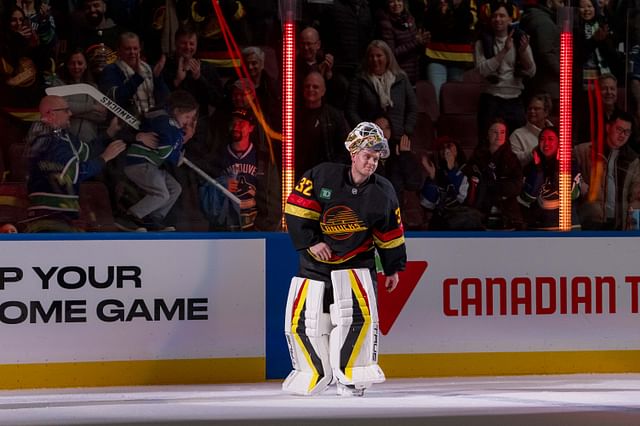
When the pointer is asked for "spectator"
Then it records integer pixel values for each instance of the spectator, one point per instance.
(590, 110)
(311, 58)
(159, 20)
(609, 91)
(200, 14)
(43, 24)
(130, 81)
(499, 177)
(539, 21)
(450, 50)
(88, 114)
(525, 139)
(241, 95)
(595, 49)
(382, 88)
(446, 188)
(238, 95)
(503, 57)
(174, 126)
(98, 35)
(184, 71)
(608, 177)
(346, 27)
(320, 128)
(541, 192)
(402, 167)
(267, 87)
(250, 175)
(21, 83)
(58, 162)
(398, 29)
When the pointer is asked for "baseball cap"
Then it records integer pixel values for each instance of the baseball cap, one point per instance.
(243, 114)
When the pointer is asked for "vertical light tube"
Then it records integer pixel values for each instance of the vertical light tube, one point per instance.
(288, 12)
(565, 16)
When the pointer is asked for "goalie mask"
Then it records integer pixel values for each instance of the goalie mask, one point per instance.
(367, 135)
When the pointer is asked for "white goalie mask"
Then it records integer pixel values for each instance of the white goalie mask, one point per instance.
(367, 135)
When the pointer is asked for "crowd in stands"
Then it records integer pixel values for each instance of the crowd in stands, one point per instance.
(466, 92)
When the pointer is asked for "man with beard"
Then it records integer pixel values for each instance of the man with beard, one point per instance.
(249, 174)
(97, 35)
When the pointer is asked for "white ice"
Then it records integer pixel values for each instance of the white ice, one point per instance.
(601, 400)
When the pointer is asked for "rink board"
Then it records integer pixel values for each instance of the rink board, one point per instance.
(208, 308)
(120, 312)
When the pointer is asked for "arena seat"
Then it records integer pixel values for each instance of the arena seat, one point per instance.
(460, 97)
(427, 99)
(13, 202)
(427, 115)
(17, 166)
(459, 113)
(95, 207)
(473, 76)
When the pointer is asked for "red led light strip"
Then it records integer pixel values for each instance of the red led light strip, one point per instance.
(288, 110)
(566, 64)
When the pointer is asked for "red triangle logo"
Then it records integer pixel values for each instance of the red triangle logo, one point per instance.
(390, 304)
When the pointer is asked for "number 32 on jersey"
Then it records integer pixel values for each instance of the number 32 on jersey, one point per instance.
(305, 186)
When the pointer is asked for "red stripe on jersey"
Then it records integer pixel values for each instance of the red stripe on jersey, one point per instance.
(367, 245)
(306, 203)
(389, 236)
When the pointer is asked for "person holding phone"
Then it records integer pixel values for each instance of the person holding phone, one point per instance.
(504, 58)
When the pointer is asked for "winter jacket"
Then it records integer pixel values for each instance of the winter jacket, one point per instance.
(363, 104)
(539, 22)
(592, 209)
(399, 32)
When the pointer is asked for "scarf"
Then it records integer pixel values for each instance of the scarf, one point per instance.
(143, 98)
(382, 85)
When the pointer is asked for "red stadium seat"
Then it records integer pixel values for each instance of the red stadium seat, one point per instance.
(459, 113)
(428, 114)
(427, 99)
(17, 163)
(95, 207)
(460, 97)
(13, 202)
(462, 127)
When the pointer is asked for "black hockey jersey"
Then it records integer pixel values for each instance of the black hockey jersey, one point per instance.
(353, 220)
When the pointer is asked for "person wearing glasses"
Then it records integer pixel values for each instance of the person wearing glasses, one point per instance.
(609, 176)
(57, 163)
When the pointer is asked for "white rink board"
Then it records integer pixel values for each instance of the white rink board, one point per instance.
(226, 277)
(424, 326)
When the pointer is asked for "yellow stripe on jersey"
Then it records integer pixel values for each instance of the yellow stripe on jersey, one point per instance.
(301, 212)
(396, 242)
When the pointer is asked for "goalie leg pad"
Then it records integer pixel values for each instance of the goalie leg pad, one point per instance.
(354, 340)
(307, 331)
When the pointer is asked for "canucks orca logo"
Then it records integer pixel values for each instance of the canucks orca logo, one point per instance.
(341, 222)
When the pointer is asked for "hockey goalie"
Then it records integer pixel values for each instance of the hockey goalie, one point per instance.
(338, 217)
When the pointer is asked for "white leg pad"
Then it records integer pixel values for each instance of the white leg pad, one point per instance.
(307, 331)
(354, 340)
